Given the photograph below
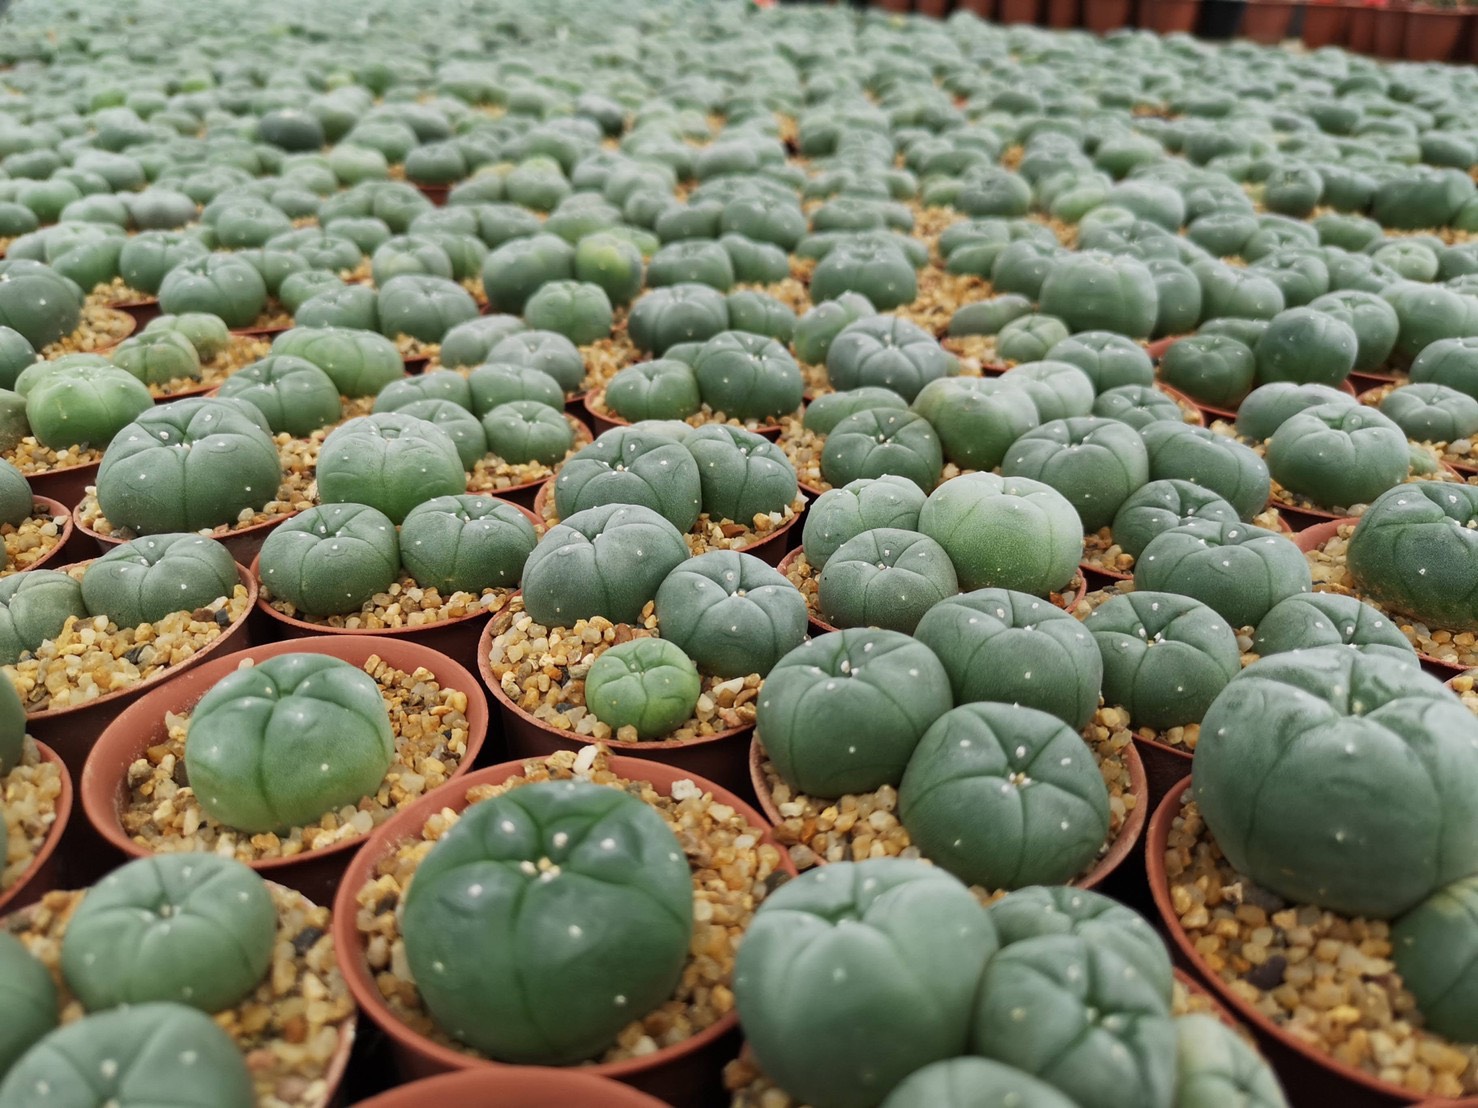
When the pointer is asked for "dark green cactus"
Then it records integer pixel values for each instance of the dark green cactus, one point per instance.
(279, 744)
(159, 358)
(1214, 369)
(1029, 337)
(876, 442)
(513, 271)
(1060, 390)
(1138, 406)
(660, 389)
(818, 328)
(30, 1001)
(594, 870)
(1415, 550)
(1162, 505)
(976, 419)
(221, 284)
(523, 431)
(1110, 360)
(839, 515)
(879, 271)
(294, 396)
(38, 302)
(34, 607)
(889, 352)
(1178, 451)
(543, 350)
(829, 409)
(423, 307)
(1432, 412)
(1452, 362)
(759, 313)
(1329, 619)
(1306, 346)
(391, 462)
(970, 1082)
(647, 684)
(1267, 408)
(1094, 463)
(1238, 570)
(579, 311)
(495, 384)
(330, 559)
(741, 474)
(466, 543)
(632, 465)
(468, 344)
(145, 580)
(731, 613)
(686, 312)
(441, 384)
(1373, 320)
(1338, 456)
(1092, 291)
(748, 376)
(885, 578)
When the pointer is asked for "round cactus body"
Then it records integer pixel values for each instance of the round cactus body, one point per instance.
(15, 355)
(524, 431)
(35, 607)
(294, 396)
(493, 385)
(1435, 948)
(885, 578)
(441, 384)
(1138, 406)
(330, 559)
(818, 328)
(612, 264)
(145, 580)
(1238, 570)
(840, 982)
(221, 284)
(1372, 318)
(423, 307)
(1415, 550)
(1306, 346)
(340, 308)
(748, 376)
(1162, 505)
(876, 442)
(84, 405)
(687, 312)
(579, 311)
(829, 409)
(277, 745)
(1060, 390)
(1214, 369)
(1014, 648)
(842, 713)
(514, 270)
(596, 874)
(1110, 360)
(1452, 362)
(468, 344)
(1028, 338)
(190, 465)
(466, 543)
(660, 389)
(360, 362)
(1092, 291)
(839, 515)
(466, 431)
(1270, 406)
(38, 302)
(888, 352)
(1297, 759)
(159, 358)
(694, 261)
(987, 317)
(1165, 657)
(605, 561)
(391, 462)
(1215, 1067)
(1100, 1030)
(879, 271)
(731, 613)
(1004, 795)
(207, 333)
(649, 685)
(1178, 451)
(159, 1053)
(12, 727)
(632, 465)
(970, 1082)
(30, 1000)
(543, 350)
(1094, 463)
(977, 419)
(1329, 619)
(741, 475)
(197, 929)
(1432, 413)
(1338, 456)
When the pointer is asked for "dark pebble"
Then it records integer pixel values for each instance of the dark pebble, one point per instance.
(775, 880)
(181, 778)
(1269, 975)
(222, 618)
(303, 941)
(134, 656)
(386, 904)
(1260, 897)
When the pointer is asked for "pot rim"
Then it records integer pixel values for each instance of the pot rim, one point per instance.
(47, 850)
(549, 1082)
(219, 534)
(55, 509)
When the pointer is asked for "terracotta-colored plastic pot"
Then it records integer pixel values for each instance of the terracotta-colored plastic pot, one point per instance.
(1360, 29)
(104, 782)
(1389, 40)
(526, 494)
(1063, 14)
(67, 485)
(771, 549)
(65, 549)
(416, 363)
(40, 877)
(1432, 34)
(1171, 16)
(144, 311)
(514, 1087)
(1309, 1076)
(1017, 11)
(243, 543)
(1362, 381)
(894, 5)
(937, 9)
(187, 394)
(1103, 16)
(261, 332)
(1324, 24)
(719, 758)
(1129, 833)
(1267, 21)
(73, 731)
(437, 194)
(981, 8)
(685, 1074)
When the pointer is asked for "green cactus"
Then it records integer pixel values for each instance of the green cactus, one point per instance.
(159, 358)
(876, 442)
(1094, 463)
(1162, 505)
(1014, 648)
(1428, 314)
(190, 465)
(1029, 337)
(748, 376)
(467, 432)
(468, 344)
(593, 870)
(1060, 390)
(988, 317)
(1214, 369)
(294, 396)
(1236, 293)
(612, 263)
(146, 258)
(1329, 619)
(818, 328)
(17, 504)
(693, 261)
(15, 355)
(885, 578)
(1338, 455)
(330, 559)
(759, 313)
(145, 580)
(543, 350)
(632, 465)
(220, 284)
(84, 405)
(606, 561)
(1138, 406)
(1306, 346)
(1432, 413)
(889, 352)
(1267, 408)
(976, 419)
(30, 1000)
(1452, 362)
(741, 474)
(1004, 795)
(391, 462)
(647, 684)
(1178, 451)
(1331, 839)
(731, 613)
(1216, 1067)
(340, 308)
(38, 302)
(158, 1053)
(1372, 318)
(466, 543)
(441, 384)
(1238, 570)
(1080, 1016)
(686, 312)
(279, 744)
(493, 385)
(12, 727)
(423, 306)
(35, 607)
(839, 985)
(660, 389)
(829, 409)
(197, 929)
(1435, 948)
(1110, 360)
(514, 270)
(879, 271)
(841, 514)
(360, 362)
(581, 312)
(1415, 551)
(1092, 291)
(970, 1082)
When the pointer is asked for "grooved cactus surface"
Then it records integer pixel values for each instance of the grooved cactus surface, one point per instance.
(1416, 550)
(1178, 451)
(145, 580)
(1238, 570)
(1162, 505)
(1215, 1067)
(1095, 463)
(330, 559)
(731, 613)
(34, 607)
(888, 352)
(646, 684)
(466, 543)
(878, 441)
(30, 1000)
(970, 1082)
(741, 474)
(1329, 619)
(390, 462)
(838, 515)
(632, 465)
(885, 578)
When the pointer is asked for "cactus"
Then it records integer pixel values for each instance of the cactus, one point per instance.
(159, 358)
(606, 561)
(1452, 362)
(190, 465)
(879, 271)
(1060, 390)
(1014, 648)
(35, 607)
(1110, 360)
(523, 431)
(493, 385)
(748, 376)
(818, 328)
(660, 389)
(580, 312)
(841, 514)
(969, 1082)
(197, 929)
(632, 465)
(1265, 780)
(330, 559)
(1269, 407)
(1329, 619)
(514, 270)
(16, 501)
(294, 396)
(741, 474)
(15, 355)
(1214, 369)
(38, 302)
(1178, 451)
(1165, 657)
(1435, 948)
(887, 351)
(649, 685)
(158, 1053)
(441, 384)
(731, 613)
(1091, 291)
(1237, 570)
(145, 580)
(694, 261)
(84, 405)
(466, 543)
(12, 727)
(1162, 505)
(594, 870)
(1373, 320)
(468, 344)
(423, 307)
(1029, 337)
(976, 419)
(1004, 795)
(1432, 413)
(29, 996)
(988, 317)
(1338, 456)
(829, 409)
(1138, 406)
(340, 308)
(1094, 463)
(220, 284)
(885, 578)
(279, 744)
(1415, 551)
(391, 462)
(1306, 346)
(611, 263)
(1216, 1067)
(1428, 314)
(686, 312)
(360, 362)
(1080, 1016)
(543, 350)
(875, 442)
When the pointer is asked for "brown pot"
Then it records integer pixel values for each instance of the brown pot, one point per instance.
(1389, 37)
(1063, 14)
(1324, 24)
(67, 542)
(315, 874)
(40, 877)
(73, 731)
(935, 9)
(144, 311)
(243, 543)
(982, 8)
(1360, 29)
(525, 494)
(679, 1075)
(1168, 17)
(718, 758)
(260, 332)
(1017, 11)
(1129, 834)
(514, 1087)
(1308, 1075)
(1267, 21)
(1432, 34)
(66, 485)
(1103, 16)
(437, 194)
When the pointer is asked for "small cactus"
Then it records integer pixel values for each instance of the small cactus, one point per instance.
(145, 580)
(649, 685)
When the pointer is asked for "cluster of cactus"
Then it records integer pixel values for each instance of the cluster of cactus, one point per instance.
(79, 401)
(745, 376)
(1414, 551)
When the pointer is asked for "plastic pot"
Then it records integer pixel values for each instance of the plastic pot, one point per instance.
(243, 542)
(685, 1074)
(1017, 11)
(1267, 21)
(1220, 19)
(67, 485)
(1360, 29)
(40, 877)
(144, 310)
(1063, 14)
(1103, 16)
(1388, 39)
(514, 1087)
(315, 874)
(1324, 24)
(1432, 34)
(1171, 16)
